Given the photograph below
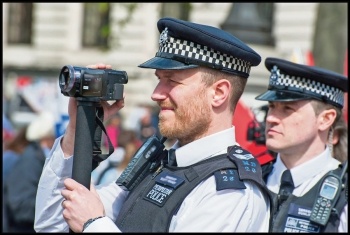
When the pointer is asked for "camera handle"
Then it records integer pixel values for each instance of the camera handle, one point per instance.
(84, 134)
(88, 133)
(87, 152)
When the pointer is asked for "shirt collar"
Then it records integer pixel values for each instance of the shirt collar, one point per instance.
(206, 147)
(306, 170)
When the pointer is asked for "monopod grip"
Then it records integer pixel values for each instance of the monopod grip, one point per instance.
(84, 135)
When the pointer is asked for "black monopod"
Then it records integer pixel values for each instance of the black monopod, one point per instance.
(88, 133)
(83, 144)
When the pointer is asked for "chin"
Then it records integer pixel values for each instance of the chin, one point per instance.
(271, 146)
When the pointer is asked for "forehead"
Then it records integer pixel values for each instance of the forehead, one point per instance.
(176, 73)
(298, 103)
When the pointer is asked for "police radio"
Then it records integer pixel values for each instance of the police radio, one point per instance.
(326, 199)
(146, 159)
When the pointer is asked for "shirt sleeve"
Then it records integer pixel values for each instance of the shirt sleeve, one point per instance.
(229, 210)
(343, 226)
(104, 224)
(48, 209)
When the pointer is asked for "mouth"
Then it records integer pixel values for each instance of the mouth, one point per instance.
(163, 106)
(166, 108)
(165, 111)
(271, 131)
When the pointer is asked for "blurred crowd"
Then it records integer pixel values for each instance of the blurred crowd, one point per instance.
(24, 154)
(26, 147)
(25, 150)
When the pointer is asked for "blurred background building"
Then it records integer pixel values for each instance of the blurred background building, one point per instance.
(40, 38)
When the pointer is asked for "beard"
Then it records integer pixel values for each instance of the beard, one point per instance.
(191, 121)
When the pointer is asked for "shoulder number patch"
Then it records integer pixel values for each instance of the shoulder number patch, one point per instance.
(228, 179)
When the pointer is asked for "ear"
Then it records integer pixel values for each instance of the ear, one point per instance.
(326, 119)
(220, 92)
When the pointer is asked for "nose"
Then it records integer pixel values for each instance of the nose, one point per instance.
(159, 92)
(271, 117)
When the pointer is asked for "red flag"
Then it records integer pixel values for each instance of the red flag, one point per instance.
(309, 58)
(23, 81)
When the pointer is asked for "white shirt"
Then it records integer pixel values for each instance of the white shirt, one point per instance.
(305, 176)
(204, 210)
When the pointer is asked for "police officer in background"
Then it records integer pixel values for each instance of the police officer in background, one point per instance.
(307, 182)
(213, 184)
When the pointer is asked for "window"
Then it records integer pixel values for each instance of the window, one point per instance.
(177, 10)
(20, 23)
(96, 28)
(251, 22)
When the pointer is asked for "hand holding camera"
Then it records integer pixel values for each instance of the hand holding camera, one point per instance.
(92, 84)
(96, 83)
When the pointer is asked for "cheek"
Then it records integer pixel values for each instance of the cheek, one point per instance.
(301, 129)
(184, 94)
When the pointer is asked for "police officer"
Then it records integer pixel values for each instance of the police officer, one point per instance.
(307, 182)
(213, 184)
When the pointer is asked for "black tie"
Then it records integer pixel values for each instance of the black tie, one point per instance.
(172, 157)
(286, 188)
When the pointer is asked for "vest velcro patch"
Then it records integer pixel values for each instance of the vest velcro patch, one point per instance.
(159, 194)
(228, 179)
(299, 211)
(297, 225)
(165, 185)
(170, 180)
(298, 220)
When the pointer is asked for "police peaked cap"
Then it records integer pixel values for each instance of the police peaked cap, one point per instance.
(184, 45)
(291, 81)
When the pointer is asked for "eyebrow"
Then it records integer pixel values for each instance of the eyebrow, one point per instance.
(165, 73)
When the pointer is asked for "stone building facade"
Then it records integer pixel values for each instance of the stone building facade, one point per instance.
(57, 36)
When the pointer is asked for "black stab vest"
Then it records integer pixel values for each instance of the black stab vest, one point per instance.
(294, 213)
(151, 205)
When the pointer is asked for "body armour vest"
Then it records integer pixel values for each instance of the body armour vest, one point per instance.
(294, 213)
(151, 205)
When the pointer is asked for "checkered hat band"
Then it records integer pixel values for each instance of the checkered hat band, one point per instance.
(308, 86)
(204, 54)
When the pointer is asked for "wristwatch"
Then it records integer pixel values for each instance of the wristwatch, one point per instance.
(89, 221)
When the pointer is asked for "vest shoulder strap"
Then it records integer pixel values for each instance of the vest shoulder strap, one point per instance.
(248, 167)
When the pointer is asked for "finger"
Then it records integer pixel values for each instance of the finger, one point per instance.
(92, 66)
(116, 106)
(108, 66)
(103, 66)
(119, 104)
(65, 193)
(64, 200)
(71, 184)
(110, 109)
(99, 66)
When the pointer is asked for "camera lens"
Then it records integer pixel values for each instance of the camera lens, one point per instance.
(67, 80)
(64, 78)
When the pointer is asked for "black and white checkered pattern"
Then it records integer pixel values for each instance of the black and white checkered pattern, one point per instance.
(304, 85)
(188, 49)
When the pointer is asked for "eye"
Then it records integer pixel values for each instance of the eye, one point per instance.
(172, 81)
(288, 108)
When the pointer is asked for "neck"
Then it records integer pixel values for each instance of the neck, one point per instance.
(297, 158)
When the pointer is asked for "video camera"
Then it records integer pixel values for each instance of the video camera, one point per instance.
(256, 129)
(104, 84)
